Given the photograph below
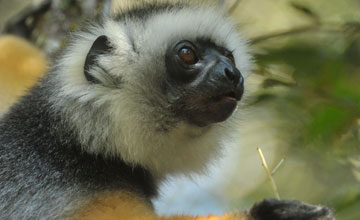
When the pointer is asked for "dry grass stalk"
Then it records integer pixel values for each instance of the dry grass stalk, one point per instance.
(276, 192)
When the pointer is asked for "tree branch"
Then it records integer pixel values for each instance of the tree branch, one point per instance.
(234, 6)
(331, 28)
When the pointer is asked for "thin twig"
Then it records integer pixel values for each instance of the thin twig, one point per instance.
(234, 6)
(277, 166)
(276, 192)
(332, 28)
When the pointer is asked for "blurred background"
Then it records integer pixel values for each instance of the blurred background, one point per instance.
(302, 100)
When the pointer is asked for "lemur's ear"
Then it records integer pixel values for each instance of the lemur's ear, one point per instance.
(100, 46)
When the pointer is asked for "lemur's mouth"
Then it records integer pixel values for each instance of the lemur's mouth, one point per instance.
(202, 109)
(233, 95)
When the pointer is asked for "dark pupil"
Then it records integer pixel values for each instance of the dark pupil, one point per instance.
(187, 55)
(186, 51)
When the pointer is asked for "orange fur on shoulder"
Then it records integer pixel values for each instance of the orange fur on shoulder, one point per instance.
(21, 64)
(127, 206)
(114, 205)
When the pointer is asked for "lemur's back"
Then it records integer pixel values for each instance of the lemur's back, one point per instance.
(45, 174)
(30, 187)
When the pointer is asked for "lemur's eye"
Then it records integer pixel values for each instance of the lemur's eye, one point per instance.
(188, 55)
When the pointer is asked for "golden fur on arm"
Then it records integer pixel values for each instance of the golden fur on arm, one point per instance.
(124, 205)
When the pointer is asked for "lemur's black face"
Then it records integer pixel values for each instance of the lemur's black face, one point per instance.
(203, 82)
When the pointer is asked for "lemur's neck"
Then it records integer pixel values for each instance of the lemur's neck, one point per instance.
(58, 149)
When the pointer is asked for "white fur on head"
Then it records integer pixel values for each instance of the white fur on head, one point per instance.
(132, 119)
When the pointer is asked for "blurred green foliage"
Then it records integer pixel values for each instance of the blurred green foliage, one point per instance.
(327, 87)
(317, 67)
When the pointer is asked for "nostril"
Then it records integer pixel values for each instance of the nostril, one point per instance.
(230, 74)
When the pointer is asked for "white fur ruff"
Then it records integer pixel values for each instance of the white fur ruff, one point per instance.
(126, 121)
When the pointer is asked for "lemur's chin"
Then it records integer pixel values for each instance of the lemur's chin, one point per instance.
(220, 110)
(213, 110)
(216, 108)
